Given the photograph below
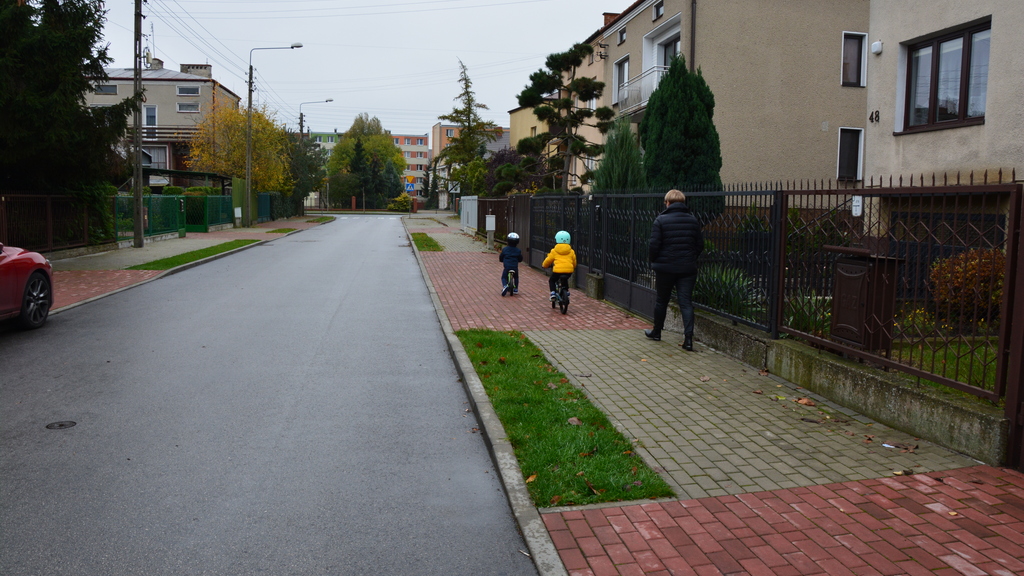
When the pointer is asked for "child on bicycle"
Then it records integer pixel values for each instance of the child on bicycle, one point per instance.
(562, 261)
(511, 256)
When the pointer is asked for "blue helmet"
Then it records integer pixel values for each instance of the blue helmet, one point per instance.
(562, 237)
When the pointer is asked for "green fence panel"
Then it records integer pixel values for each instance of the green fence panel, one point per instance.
(220, 210)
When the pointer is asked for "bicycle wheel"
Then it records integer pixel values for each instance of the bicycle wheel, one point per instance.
(563, 301)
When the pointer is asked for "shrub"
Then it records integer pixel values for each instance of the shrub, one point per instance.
(728, 290)
(173, 191)
(401, 203)
(808, 312)
(201, 191)
(968, 287)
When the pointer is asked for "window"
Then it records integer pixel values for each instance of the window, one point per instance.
(188, 90)
(396, 141)
(318, 139)
(408, 141)
(330, 139)
(188, 107)
(449, 133)
(107, 89)
(533, 131)
(419, 141)
(854, 59)
(659, 10)
(421, 154)
(622, 35)
(947, 80)
(620, 80)
(157, 156)
(850, 147)
(667, 51)
(149, 119)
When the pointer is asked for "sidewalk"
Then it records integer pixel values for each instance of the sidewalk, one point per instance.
(80, 279)
(766, 485)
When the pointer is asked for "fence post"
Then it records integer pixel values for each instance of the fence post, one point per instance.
(632, 248)
(49, 224)
(776, 257)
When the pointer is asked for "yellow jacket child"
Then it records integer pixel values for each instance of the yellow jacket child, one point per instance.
(561, 259)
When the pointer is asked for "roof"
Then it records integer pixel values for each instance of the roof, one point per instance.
(149, 74)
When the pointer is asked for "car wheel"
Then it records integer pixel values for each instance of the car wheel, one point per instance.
(35, 305)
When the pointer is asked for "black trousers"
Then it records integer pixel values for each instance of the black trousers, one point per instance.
(555, 277)
(683, 284)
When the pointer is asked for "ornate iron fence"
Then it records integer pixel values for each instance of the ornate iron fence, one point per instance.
(914, 278)
(43, 222)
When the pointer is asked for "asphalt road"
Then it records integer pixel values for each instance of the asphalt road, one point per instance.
(289, 409)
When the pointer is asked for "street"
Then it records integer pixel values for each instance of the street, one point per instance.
(289, 409)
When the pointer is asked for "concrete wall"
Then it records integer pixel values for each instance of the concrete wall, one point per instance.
(999, 143)
(972, 427)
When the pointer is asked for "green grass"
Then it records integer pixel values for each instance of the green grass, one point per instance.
(175, 261)
(320, 220)
(425, 243)
(970, 362)
(563, 463)
(281, 231)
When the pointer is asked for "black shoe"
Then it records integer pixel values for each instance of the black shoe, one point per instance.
(653, 335)
(688, 343)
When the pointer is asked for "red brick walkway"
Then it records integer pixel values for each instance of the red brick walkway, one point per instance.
(968, 521)
(72, 286)
(479, 303)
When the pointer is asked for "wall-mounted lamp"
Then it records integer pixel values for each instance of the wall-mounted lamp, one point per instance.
(876, 47)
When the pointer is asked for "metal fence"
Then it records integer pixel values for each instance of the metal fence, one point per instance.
(160, 215)
(919, 279)
(43, 223)
(201, 212)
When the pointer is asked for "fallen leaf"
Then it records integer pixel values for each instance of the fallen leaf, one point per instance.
(483, 363)
(628, 452)
(531, 478)
(591, 486)
(848, 433)
(552, 385)
(812, 420)
(805, 402)
(705, 378)
(643, 359)
(564, 380)
(555, 500)
(575, 421)
(479, 345)
(580, 473)
(763, 372)
(758, 392)
(633, 470)
(501, 360)
(953, 514)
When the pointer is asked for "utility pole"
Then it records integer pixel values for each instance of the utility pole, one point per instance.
(301, 133)
(140, 240)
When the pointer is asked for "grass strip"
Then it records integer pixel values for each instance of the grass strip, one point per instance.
(320, 220)
(567, 449)
(282, 231)
(175, 261)
(425, 243)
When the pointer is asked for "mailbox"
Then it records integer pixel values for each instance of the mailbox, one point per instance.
(864, 298)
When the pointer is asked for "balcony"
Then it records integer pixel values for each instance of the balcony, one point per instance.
(634, 93)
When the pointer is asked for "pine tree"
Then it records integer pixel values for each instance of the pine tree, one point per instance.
(621, 169)
(681, 146)
(51, 55)
(473, 136)
(559, 99)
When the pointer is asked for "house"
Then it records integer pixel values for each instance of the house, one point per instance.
(325, 140)
(944, 84)
(441, 136)
(788, 77)
(416, 150)
(174, 106)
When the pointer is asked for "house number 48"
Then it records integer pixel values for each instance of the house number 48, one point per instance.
(874, 116)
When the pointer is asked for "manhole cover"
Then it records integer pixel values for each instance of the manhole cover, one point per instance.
(60, 425)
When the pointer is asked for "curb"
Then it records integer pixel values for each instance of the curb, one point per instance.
(168, 272)
(535, 533)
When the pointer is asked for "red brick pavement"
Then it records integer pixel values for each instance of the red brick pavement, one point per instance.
(968, 521)
(469, 286)
(72, 286)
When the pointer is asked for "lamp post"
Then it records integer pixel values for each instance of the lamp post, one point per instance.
(246, 216)
(300, 112)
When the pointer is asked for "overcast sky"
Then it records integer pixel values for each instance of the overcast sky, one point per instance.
(397, 60)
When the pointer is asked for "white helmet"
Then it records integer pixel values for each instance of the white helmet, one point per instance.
(512, 236)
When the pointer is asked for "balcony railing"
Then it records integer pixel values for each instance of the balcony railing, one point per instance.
(634, 93)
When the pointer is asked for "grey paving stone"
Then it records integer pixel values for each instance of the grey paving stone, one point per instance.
(702, 422)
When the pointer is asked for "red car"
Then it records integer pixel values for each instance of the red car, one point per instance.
(26, 286)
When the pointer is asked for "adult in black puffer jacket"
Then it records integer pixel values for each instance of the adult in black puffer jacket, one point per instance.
(676, 242)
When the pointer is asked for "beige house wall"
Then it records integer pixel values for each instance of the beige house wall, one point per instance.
(997, 144)
(774, 69)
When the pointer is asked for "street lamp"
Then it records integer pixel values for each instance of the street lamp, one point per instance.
(300, 111)
(246, 216)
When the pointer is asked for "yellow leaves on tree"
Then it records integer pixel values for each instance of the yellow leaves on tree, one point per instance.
(219, 146)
